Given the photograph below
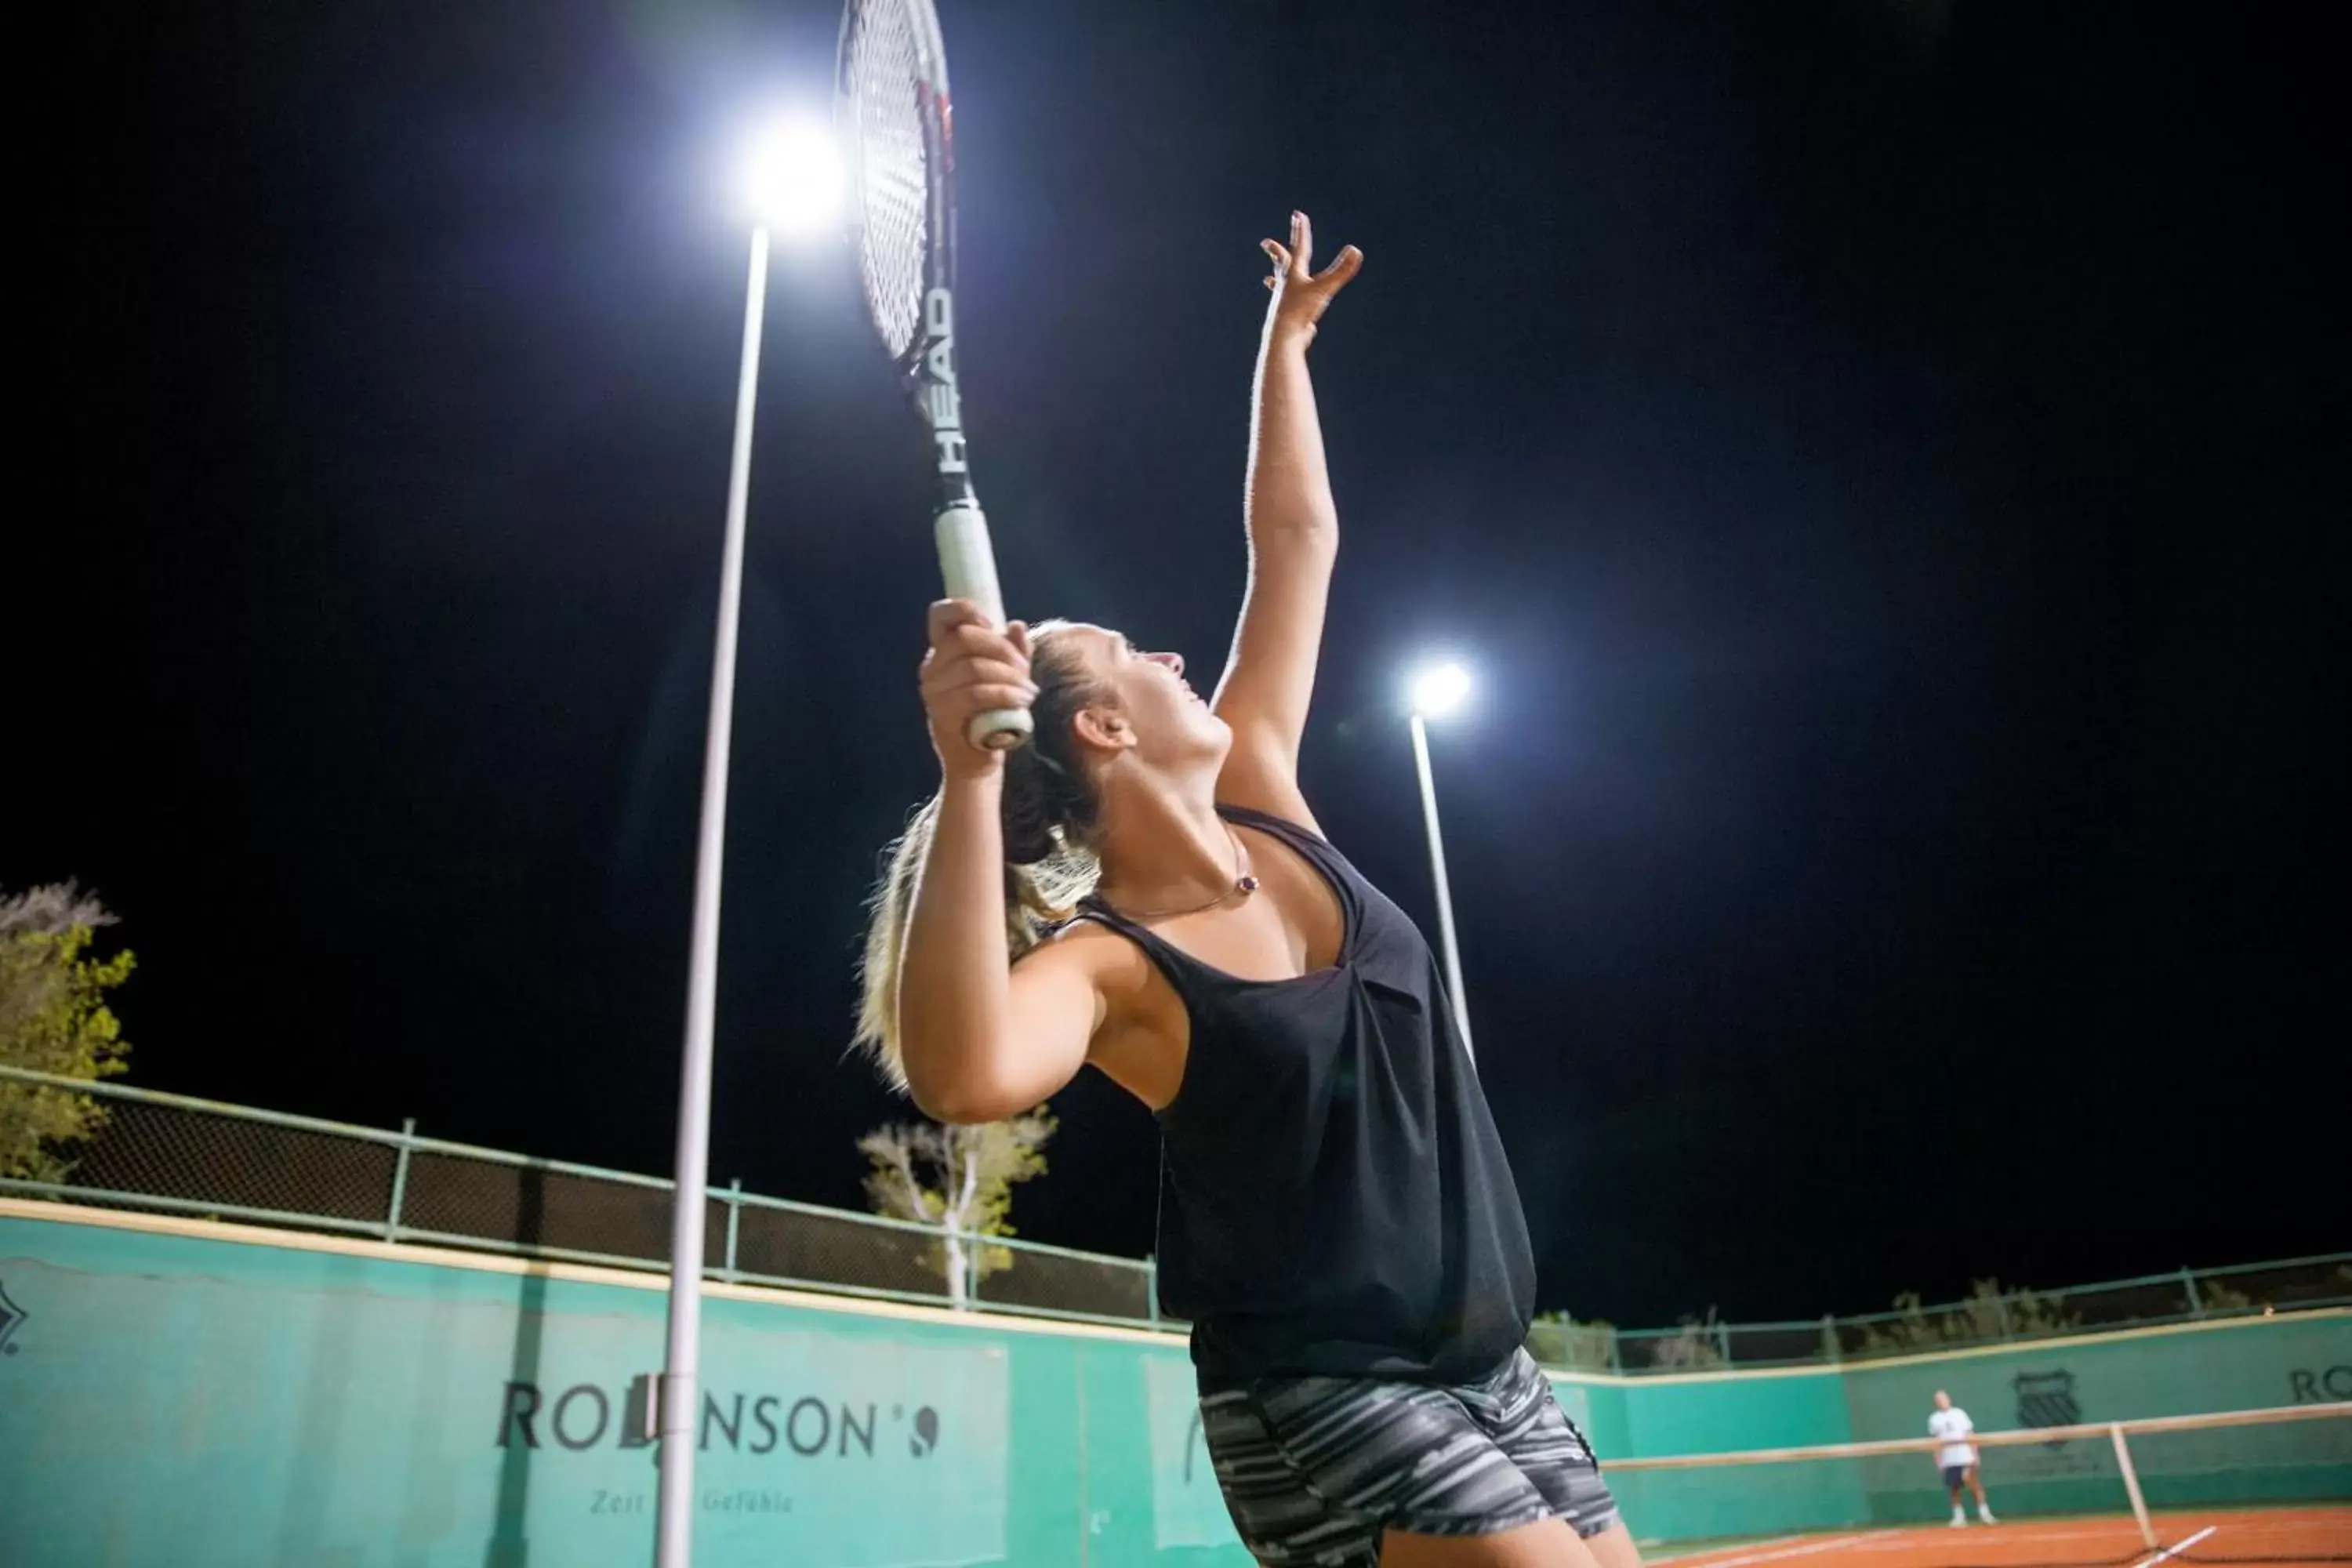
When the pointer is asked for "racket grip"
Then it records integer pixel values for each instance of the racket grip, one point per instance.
(969, 565)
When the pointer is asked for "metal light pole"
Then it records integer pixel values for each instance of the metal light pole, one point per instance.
(1438, 692)
(678, 1397)
(793, 182)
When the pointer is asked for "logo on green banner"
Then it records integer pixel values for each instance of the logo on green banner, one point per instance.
(11, 1316)
(2046, 1399)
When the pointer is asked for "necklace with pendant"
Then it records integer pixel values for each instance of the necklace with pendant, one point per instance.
(1244, 884)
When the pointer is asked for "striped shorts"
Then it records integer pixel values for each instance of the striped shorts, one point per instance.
(1315, 1468)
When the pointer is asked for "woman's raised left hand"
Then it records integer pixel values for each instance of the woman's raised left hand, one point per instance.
(1301, 297)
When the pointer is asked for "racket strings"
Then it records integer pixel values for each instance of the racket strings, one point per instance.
(883, 80)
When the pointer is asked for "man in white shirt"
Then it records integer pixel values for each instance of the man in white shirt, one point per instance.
(1957, 1456)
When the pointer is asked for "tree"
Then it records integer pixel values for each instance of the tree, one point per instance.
(1692, 1347)
(1988, 1313)
(2219, 1295)
(53, 1019)
(960, 1179)
(1557, 1339)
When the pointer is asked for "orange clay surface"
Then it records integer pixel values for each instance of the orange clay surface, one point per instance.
(2275, 1537)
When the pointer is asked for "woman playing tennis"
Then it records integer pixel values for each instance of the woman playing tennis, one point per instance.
(1143, 889)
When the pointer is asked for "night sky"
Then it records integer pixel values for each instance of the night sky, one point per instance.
(1883, 459)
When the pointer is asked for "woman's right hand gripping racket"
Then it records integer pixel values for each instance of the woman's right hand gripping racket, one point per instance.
(897, 133)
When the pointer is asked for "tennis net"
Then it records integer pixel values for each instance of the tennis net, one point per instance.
(2256, 1486)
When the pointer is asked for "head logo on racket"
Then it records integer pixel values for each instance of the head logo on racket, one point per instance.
(941, 405)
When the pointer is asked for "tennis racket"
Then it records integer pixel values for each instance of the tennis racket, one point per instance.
(897, 134)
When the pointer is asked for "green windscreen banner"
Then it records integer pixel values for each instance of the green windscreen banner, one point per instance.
(2243, 1363)
(183, 1394)
(172, 1399)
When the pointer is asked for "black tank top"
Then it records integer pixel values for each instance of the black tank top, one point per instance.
(1333, 1198)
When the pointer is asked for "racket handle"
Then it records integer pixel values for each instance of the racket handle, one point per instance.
(969, 565)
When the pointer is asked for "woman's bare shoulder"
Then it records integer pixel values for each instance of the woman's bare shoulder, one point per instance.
(1088, 946)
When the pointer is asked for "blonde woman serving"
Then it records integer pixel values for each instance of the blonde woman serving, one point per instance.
(1143, 889)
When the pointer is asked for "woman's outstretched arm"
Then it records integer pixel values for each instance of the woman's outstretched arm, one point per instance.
(1294, 537)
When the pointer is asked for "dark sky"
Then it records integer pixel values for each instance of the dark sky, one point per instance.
(1882, 457)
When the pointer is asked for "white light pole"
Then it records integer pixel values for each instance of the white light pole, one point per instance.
(792, 184)
(1434, 691)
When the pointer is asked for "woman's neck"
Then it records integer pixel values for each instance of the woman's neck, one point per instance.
(1163, 846)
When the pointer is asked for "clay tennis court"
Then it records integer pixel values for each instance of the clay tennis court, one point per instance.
(2277, 1536)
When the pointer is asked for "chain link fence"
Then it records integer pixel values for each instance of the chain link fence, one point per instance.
(174, 1155)
(213, 1158)
(1991, 1316)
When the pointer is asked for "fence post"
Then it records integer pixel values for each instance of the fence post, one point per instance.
(1152, 1288)
(1723, 1340)
(2195, 1300)
(2008, 1327)
(734, 1222)
(1616, 1358)
(1829, 1340)
(400, 1178)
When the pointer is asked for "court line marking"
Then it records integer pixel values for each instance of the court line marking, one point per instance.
(1899, 1538)
(1653, 1560)
(2022, 1535)
(1825, 1544)
(2177, 1550)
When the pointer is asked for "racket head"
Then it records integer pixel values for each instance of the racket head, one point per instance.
(896, 127)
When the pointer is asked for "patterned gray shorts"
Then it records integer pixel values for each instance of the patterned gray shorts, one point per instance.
(1314, 1468)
